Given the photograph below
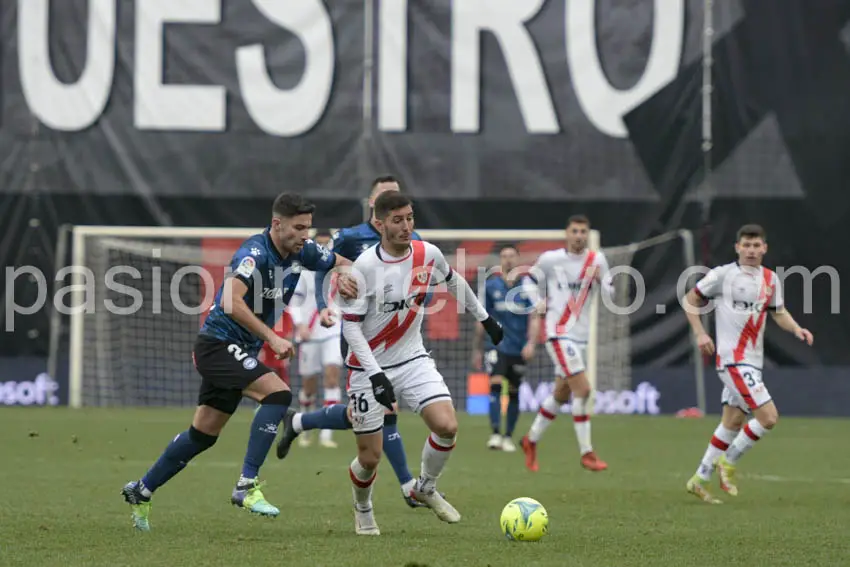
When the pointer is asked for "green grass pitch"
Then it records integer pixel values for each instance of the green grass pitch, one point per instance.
(62, 471)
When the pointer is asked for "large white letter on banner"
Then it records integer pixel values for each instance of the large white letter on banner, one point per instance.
(392, 66)
(294, 111)
(604, 105)
(173, 107)
(62, 106)
(505, 19)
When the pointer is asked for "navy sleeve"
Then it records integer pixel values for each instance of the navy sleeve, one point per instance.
(247, 265)
(320, 260)
(341, 246)
(317, 258)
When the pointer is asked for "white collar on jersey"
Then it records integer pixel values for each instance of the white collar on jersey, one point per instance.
(390, 259)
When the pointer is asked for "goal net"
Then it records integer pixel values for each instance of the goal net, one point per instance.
(143, 292)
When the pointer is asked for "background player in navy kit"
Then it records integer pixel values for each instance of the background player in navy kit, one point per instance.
(266, 268)
(506, 299)
(350, 243)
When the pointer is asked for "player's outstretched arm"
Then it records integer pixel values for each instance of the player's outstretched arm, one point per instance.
(692, 303)
(459, 288)
(357, 344)
(787, 323)
(233, 303)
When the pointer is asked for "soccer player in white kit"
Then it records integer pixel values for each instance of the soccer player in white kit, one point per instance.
(387, 358)
(743, 293)
(318, 348)
(566, 278)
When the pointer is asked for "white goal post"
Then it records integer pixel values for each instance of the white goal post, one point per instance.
(109, 365)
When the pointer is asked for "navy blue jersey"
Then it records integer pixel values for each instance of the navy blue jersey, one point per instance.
(351, 243)
(510, 306)
(271, 281)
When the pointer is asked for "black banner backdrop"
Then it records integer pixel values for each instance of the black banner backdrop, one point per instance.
(200, 113)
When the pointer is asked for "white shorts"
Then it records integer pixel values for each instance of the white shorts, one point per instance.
(417, 384)
(313, 356)
(567, 356)
(743, 387)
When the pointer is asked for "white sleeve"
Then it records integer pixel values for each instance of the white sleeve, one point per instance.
(606, 281)
(300, 302)
(711, 285)
(354, 311)
(458, 286)
(777, 300)
(534, 282)
(357, 343)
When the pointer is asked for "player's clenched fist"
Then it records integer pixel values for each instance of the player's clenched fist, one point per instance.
(383, 390)
(804, 335)
(705, 344)
(282, 348)
(347, 286)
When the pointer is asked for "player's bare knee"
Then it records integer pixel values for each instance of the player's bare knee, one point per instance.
(561, 393)
(446, 426)
(768, 418)
(369, 457)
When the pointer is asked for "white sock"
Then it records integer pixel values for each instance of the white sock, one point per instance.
(362, 480)
(720, 441)
(435, 453)
(326, 435)
(746, 438)
(581, 423)
(332, 396)
(296, 423)
(547, 413)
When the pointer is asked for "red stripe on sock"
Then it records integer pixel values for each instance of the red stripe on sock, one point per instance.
(750, 433)
(581, 418)
(437, 446)
(362, 483)
(547, 415)
(722, 445)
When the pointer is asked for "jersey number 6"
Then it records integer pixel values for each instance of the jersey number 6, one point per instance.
(359, 403)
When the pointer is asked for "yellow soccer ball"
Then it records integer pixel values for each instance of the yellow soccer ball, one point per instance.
(524, 519)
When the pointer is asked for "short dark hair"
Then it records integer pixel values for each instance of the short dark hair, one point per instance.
(578, 219)
(390, 201)
(288, 205)
(322, 232)
(507, 245)
(384, 179)
(751, 231)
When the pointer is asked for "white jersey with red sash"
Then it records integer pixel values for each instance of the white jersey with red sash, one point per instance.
(742, 296)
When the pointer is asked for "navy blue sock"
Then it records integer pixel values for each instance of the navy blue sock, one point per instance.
(394, 449)
(513, 413)
(331, 417)
(179, 452)
(264, 430)
(495, 407)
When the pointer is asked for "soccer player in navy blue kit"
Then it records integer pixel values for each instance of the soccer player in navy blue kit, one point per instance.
(265, 271)
(511, 307)
(350, 243)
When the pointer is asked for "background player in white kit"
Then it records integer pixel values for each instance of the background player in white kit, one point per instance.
(387, 358)
(318, 348)
(743, 292)
(566, 278)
